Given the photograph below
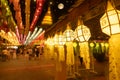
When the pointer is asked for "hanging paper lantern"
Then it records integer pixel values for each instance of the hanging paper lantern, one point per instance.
(110, 21)
(110, 25)
(56, 39)
(38, 12)
(69, 37)
(69, 34)
(61, 39)
(92, 44)
(18, 14)
(106, 47)
(83, 35)
(82, 32)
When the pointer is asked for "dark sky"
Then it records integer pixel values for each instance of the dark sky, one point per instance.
(56, 13)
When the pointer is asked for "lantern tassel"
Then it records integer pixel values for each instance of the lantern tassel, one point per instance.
(61, 53)
(84, 52)
(70, 54)
(114, 57)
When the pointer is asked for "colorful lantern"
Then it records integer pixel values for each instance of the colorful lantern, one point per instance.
(39, 6)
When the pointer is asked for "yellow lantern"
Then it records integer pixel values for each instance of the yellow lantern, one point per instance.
(110, 21)
(61, 42)
(69, 37)
(56, 39)
(110, 24)
(49, 53)
(92, 44)
(83, 34)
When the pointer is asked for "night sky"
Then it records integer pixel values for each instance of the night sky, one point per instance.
(53, 4)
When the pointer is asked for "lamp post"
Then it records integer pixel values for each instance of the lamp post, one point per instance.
(83, 34)
(110, 24)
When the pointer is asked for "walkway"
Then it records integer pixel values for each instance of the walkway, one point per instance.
(24, 69)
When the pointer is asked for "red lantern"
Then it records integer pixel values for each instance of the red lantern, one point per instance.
(38, 11)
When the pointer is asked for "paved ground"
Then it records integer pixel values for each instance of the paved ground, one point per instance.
(23, 69)
(100, 72)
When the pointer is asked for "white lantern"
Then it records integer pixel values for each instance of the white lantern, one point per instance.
(110, 21)
(110, 24)
(69, 34)
(61, 47)
(56, 39)
(82, 32)
(69, 37)
(61, 39)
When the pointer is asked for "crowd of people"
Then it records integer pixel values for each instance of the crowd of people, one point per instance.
(7, 54)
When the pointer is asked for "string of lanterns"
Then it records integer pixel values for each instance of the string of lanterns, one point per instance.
(7, 15)
(17, 14)
(109, 24)
(27, 18)
(19, 28)
(82, 34)
(10, 37)
(32, 32)
(32, 36)
(39, 7)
